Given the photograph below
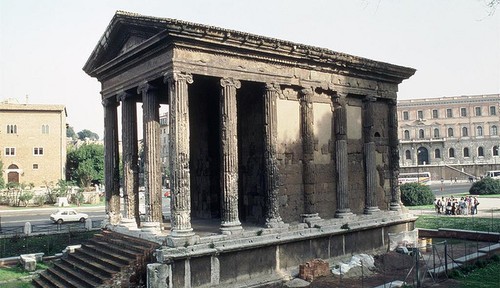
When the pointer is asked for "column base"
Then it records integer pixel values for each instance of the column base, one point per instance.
(312, 219)
(129, 223)
(114, 218)
(182, 233)
(371, 210)
(275, 223)
(229, 228)
(395, 206)
(151, 227)
(343, 213)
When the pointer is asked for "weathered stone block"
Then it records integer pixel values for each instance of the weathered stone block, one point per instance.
(313, 269)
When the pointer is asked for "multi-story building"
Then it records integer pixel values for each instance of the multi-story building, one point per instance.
(460, 132)
(33, 143)
(164, 134)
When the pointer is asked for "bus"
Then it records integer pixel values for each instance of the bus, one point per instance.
(493, 174)
(417, 177)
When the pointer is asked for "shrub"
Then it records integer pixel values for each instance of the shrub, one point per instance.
(416, 194)
(485, 186)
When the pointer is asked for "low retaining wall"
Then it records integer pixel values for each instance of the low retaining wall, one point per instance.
(460, 234)
(270, 256)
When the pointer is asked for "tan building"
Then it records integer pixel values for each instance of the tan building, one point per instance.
(33, 143)
(461, 132)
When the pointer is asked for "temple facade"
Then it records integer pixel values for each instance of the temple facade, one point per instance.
(263, 133)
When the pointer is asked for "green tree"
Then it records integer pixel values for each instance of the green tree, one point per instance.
(2, 181)
(87, 134)
(70, 132)
(86, 164)
(414, 194)
(486, 185)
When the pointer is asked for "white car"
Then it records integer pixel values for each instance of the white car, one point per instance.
(68, 215)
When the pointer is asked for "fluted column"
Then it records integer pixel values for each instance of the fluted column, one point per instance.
(111, 161)
(271, 181)
(369, 156)
(341, 164)
(229, 155)
(179, 153)
(307, 131)
(394, 156)
(152, 166)
(130, 156)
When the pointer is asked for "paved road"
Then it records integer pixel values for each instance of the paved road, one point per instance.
(447, 188)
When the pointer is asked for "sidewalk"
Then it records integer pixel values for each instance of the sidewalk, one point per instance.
(13, 211)
(488, 207)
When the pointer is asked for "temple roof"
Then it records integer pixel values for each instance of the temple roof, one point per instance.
(126, 30)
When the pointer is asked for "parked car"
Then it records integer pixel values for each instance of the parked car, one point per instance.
(68, 215)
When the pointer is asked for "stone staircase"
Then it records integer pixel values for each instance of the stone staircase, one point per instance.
(109, 259)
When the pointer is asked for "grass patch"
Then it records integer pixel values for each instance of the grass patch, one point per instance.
(17, 272)
(464, 223)
(484, 277)
(18, 284)
(421, 207)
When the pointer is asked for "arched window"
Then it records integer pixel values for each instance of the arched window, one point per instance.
(466, 152)
(494, 130)
(421, 133)
(479, 131)
(480, 152)
(437, 153)
(407, 154)
(465, 132)
(451, 153)
(407, 135)
(495, 150)
(436, 133)
(45, 129)
(450, 132)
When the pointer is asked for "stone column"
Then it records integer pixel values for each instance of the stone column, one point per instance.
(130, 156)
(308, 175)
(180, 185)
(229, 156)
(341, 164)
(271, 174)
(152, 165)
(111, 161)
(394, 156)
(369, 155)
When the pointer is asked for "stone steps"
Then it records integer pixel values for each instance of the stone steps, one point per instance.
(109, 259)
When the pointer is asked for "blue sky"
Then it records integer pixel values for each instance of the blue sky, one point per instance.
(453, 44)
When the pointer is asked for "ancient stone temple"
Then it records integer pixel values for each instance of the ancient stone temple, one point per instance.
(280, 152)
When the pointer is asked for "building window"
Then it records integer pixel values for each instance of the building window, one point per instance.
(436, 133)
(407, 154)
(495, 150)
(420, 114)
(480, 152)
(478, 111)
(449, 113)
(463, 112)
(407, 135)
(35, 166)
(45, 129)
(479, 131)
(437, 153)
(406, 115)
(38, 151)
(10, 151)
(450, 132)
(493, 110)
(421, 133)
(451, 153)
(494, 130)
(465, 132)
(435, 114)
(11, 129)
(466, 152)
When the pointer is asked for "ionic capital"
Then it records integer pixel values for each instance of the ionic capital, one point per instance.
(145, 87)
(109, 102)
(225, 82)
(124, 95)
(339, 99)
(273, 87)
(307, 94)
(370, 98)
(171, 76)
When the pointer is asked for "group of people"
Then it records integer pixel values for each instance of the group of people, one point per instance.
(453, 206)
